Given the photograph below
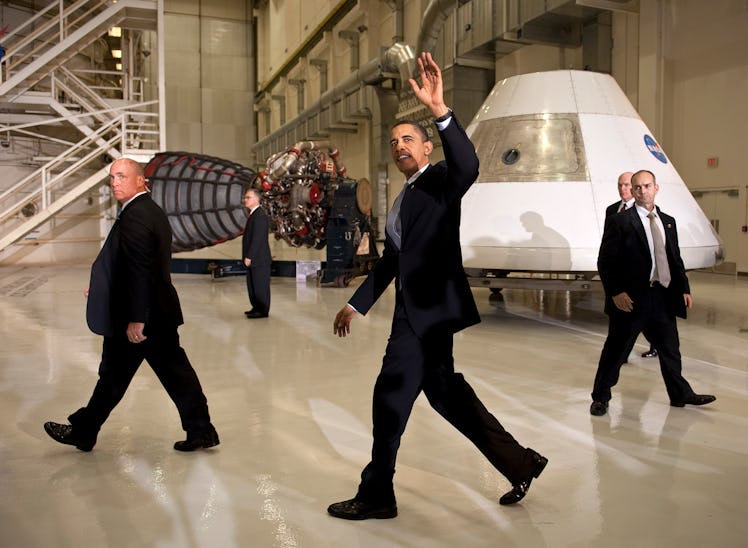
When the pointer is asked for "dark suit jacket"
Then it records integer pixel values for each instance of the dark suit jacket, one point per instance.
(255, 239)
(435, 290)
(612, 209)
(130, 279)
(624, 262)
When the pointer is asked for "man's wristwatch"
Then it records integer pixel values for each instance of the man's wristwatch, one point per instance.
(444, 117)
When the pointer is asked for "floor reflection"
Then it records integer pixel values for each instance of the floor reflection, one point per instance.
(292, 404)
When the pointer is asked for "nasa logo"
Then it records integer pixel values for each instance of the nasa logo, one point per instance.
(655, 149)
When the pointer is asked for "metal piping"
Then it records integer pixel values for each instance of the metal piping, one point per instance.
(397, 7)
(398, 59)
(433, 19)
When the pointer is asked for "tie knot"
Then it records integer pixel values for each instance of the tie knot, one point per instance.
(652, 215)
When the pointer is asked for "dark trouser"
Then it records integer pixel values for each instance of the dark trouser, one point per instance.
(258, 288)
(410, 365)
(650, 316)
(630, 347)
(120, 360)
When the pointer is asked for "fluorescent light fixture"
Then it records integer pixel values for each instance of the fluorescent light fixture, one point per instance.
(118, 66)
(115, 32)
(117, 53)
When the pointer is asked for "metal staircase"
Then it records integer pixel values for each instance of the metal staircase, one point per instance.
(57, 33)
(99, 128)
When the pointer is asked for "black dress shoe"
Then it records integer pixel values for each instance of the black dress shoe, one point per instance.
(651, 353)
(256, 314)
(598, 408)
(356, 509)
(248, 312)
(519, 490)
(694, 399)
(198, 442)
(64, 433)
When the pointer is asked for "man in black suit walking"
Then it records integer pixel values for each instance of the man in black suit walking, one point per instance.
(645, 289)
(627, 202)
(132, 303)
(256, 256)
(432, 302)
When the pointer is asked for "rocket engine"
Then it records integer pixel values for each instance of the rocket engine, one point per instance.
(311, 203)
(308, 198)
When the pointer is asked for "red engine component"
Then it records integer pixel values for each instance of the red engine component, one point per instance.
(294, 185)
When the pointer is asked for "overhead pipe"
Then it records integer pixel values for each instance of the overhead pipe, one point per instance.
(397, 59)
(434, 16)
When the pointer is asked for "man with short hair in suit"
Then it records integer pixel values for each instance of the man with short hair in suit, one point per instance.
(645, 289)
(432, 302)
(133, 304)
(624, 191)
(627, 202)
(256, 256)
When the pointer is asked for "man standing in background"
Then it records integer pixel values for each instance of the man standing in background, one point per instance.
(256, 256)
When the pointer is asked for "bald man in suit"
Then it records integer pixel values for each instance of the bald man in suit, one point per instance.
(627, 202)
(646, 287)
(133, 304)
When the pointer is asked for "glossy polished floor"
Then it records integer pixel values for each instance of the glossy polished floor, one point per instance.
(292, 406)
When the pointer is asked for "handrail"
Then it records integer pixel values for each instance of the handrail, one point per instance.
(93, 113)
(83, 96)
(39, 14)
(52, 32)
(88, 139)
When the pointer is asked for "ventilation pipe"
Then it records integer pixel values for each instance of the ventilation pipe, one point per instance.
(433, 19)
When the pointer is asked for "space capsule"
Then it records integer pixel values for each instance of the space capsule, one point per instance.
(551, 146)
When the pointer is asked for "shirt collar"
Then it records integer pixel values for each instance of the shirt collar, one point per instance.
(412, 178)
(643, 213)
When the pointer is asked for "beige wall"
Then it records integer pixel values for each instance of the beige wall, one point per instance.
(705, 111)
(208, 100)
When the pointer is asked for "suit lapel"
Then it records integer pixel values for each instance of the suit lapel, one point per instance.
(406, 213)
(636, 222)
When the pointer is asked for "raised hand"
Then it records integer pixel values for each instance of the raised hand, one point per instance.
(431, 90)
